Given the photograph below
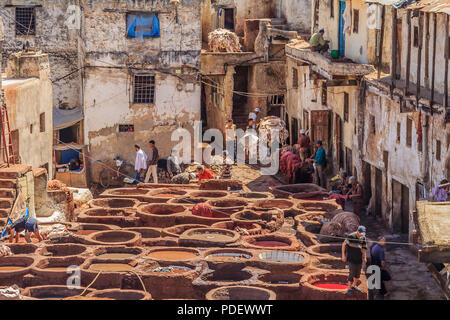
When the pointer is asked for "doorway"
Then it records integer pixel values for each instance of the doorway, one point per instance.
(367, 182)
(228, 19)
(240, 112)
(378, 191)
(400, 207)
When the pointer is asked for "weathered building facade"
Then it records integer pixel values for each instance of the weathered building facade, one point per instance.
(236, 83)
(383, 103)
(131, 65)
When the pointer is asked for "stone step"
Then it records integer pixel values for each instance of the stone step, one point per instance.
(8, 193)
(8, 183)
(14, 171)
(6, 203)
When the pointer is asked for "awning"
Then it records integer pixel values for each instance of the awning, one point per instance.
(437, 6)
(67, 146)
(66, 118)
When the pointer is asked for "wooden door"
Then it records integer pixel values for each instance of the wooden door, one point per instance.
(320, 126)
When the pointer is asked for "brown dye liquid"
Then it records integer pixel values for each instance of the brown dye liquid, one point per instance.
(115, 256)
(110, 267)
(10, 268)
(212, 237)
(172, 255)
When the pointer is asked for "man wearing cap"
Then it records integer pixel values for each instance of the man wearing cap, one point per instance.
(140, 163)
(304, 144)
(317, 42)
(356, 195)
(254, 115)
(204, 173)
(354, 253)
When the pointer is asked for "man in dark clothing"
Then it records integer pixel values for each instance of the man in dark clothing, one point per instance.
(354, 253)
(356, 195)
(183, 178)
(28, 224)
(152, 164)
(173, 164)
(74, 164)
(319, 158)
(378, 259)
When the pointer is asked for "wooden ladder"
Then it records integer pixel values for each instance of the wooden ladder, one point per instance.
(7, 145)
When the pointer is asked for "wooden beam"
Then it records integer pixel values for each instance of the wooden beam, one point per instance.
(408, 54)
(433, 67)
(394, 49)
(437, 276)
(419, 58)
(446, 48)
(380, 51)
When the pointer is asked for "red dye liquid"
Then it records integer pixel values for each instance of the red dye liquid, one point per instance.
(259, 211)
(270, 244)
(165, 195)
(331, 286)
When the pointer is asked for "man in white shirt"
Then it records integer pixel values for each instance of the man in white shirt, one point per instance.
(140, 164)
(254, 115)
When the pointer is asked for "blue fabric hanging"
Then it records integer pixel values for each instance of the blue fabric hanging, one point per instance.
(143, 25)
(27, 215)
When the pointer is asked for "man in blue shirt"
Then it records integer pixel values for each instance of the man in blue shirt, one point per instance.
(377, 256)
(319, 158)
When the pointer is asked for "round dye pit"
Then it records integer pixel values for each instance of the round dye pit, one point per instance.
(114, 203)
(85, 232)
(270, 243)
(330, 264)
(179, 229)
(227, 276)
(161, 209)
(324, 205)
(228, 203)
(62, 250)
(59, 264)
(172, 269)
(281, 256)
(326, 250)
(112, 253)
(12, 263)
(331, 286)
(240, 293)
(187, 201)
(167, 193)
(284, 191)
(110, 267)
(126, 192)
(255, 195)
(228, 255)
(208, 237)
(147, 233)
(115, 237)
(120, 294)
(173, 254)
(251, 228)
(246, 216)
(208, 194)
(52, 292)
(280, 279)
(105, 212)
(273, 204)
(21, 248)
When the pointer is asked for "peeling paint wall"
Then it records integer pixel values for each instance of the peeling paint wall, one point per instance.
(26, 100)
(113, 59)
(54, 38)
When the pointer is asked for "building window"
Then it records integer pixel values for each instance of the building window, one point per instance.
(304, 80)
(25, 21)
(399, 127)
(276, 100)
(126, 127)
(31, 128)
(416, 37)
(143, 25)
(331, 8)
(324, 94)
(294, 78)
(346, 107)
(408, 132)
(438, 150)
(144, 89)
(228, 18)
(355, 20)
(42, 122)
(372, 124)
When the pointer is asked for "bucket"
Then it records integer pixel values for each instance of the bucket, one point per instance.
(335, 54)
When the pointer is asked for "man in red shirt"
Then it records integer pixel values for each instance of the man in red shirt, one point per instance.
(304, 144)
(204, 174)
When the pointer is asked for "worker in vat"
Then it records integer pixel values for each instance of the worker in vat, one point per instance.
(354, 253)
(318, 43)
(204, 174)
(28, 224)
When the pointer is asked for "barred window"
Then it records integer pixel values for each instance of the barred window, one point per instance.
(144, 89)
(25, 21)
